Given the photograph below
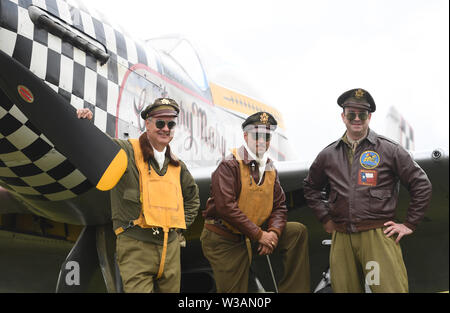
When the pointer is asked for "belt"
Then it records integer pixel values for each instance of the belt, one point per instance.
(225, 234)
(131, 224)
(349, 227)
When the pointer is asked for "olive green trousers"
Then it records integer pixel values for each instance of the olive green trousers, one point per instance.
(231, 265)
(367, 257)
(139, 264)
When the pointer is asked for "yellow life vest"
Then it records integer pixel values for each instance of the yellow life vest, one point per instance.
(255, 201)
(161, 198)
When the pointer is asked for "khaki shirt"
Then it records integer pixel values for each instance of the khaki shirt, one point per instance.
(350, 151)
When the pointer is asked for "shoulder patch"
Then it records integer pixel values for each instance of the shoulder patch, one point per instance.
(369, 159)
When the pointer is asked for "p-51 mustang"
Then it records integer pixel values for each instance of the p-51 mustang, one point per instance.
(56, 170)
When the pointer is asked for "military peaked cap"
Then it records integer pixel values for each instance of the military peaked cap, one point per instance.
(357, 98)
(161, 107)
(260, 118)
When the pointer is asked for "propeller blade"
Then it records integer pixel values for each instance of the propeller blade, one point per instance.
(101, 160)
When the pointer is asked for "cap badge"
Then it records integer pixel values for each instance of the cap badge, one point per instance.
(165, 101)
(264, 118)
(359, 93)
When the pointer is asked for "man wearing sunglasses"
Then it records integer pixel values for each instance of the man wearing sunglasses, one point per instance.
(361, 172)
(246, 214)
(153, 202)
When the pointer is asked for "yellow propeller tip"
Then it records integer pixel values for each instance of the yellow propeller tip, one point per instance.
(114, 172)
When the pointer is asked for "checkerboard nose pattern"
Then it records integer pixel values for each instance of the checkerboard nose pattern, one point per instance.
(29, 162)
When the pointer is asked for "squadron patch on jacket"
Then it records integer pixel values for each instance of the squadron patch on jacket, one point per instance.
(367, 177)
(369, 159)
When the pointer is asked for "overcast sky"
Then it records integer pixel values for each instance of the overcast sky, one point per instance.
(301, 55)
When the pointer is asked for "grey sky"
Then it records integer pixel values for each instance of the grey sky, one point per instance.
(301, 55)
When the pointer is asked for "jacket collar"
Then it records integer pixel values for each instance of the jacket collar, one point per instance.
(371, 137)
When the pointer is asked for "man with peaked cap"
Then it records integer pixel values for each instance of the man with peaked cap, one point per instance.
(153, 202)
(246, 214)
(362, 171)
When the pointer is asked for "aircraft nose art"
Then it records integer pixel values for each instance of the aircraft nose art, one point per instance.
(87, 147)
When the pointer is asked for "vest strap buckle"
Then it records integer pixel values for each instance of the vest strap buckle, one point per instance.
(121, 229)
(130, 224)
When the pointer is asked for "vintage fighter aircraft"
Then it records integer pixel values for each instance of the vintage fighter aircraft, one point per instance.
(55, 170)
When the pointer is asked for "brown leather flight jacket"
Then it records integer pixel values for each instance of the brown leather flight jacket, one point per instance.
(224, 194)
(364, 195)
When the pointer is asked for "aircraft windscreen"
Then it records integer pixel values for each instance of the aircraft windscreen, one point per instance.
(185, 55)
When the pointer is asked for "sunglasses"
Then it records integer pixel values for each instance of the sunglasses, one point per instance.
(265, 136)
(352, 115)
(160, 124)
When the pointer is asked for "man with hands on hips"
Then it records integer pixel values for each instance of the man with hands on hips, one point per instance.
(362, 171)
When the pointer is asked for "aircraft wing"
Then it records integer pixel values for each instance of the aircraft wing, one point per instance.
(435, 164)
(426, 251)
(292, 174)
(202, 176)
